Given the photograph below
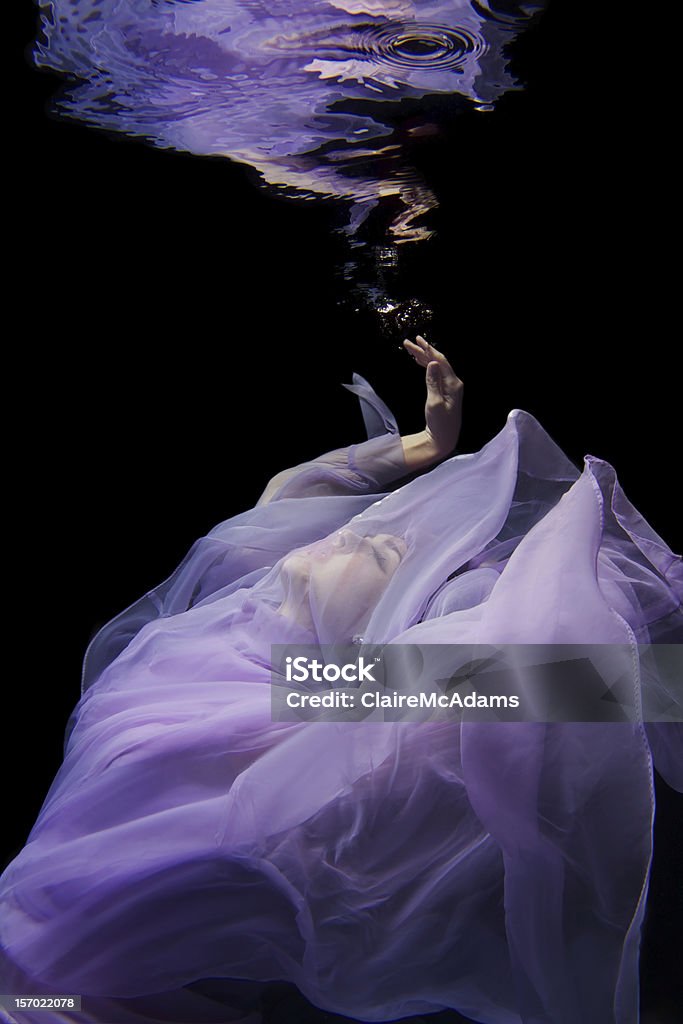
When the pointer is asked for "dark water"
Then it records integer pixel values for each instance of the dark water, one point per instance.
(170, 301)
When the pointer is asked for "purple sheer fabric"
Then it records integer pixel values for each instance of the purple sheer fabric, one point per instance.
(385, 868)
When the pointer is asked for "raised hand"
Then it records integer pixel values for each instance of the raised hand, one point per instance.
(443, 409)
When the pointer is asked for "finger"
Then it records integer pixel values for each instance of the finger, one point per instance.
(449, 376)
(416, 352)
(430, 350)
(434, 379)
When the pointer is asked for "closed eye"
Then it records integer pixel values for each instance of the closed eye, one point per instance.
(381, 561)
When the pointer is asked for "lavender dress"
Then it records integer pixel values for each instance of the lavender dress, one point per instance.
(385, 868)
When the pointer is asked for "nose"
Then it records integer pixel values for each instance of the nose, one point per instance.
(342, 539)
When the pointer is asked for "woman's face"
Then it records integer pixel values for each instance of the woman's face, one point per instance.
(341, 578)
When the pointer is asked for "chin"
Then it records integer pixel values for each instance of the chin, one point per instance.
(297, 567)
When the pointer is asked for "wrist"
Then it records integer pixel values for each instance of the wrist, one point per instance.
(441, 447)
(421, 450)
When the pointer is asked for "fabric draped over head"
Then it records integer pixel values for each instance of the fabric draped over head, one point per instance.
(468, 509)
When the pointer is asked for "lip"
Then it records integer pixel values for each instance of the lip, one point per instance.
(398, 546)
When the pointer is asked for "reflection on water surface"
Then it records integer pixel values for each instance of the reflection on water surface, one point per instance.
(299, 89)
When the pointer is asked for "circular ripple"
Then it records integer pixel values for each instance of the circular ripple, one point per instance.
(415, 45)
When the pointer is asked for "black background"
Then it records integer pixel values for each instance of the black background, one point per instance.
(180, 339)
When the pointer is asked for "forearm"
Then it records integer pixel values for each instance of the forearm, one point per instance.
(363, 467)
(370, 465)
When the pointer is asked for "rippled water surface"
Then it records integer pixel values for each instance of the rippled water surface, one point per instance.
(296, 88)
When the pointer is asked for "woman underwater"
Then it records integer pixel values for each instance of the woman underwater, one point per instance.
(385, 868)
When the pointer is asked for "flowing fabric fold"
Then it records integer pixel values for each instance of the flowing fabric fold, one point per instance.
(377, 416)
(570, 804)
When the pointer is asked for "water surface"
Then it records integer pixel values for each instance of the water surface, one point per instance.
(303, 91)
